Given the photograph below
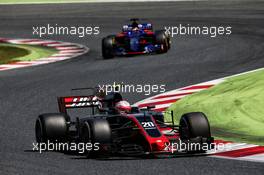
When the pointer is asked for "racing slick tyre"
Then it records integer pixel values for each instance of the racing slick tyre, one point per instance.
(194, 127)
(161, 38)
(51, 127)
(96, 130)
(168, 39)
(108, 47)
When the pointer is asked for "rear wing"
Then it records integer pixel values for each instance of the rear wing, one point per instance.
(77, 102)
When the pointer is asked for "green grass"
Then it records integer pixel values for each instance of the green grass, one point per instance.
(12, 53)
(235, 108)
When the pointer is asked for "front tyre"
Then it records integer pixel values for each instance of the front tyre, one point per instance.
(97, 132)
(108, 47)
(195, 128)
(162, 39)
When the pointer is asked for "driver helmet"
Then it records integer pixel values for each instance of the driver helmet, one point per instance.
(123, 107)
(135, 26)
(135, 29)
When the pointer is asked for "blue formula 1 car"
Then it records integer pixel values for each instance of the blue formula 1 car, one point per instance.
(135, 39)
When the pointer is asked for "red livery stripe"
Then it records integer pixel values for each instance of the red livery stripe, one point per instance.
(68, 99)
(134, 53)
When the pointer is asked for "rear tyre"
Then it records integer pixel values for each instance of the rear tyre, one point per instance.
(162, 40)
(108, 47)
(52, 127)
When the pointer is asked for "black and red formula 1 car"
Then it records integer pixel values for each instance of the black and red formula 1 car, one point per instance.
(141, 132)
(135, 39)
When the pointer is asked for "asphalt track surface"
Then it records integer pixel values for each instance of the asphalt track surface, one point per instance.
(27, 92)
